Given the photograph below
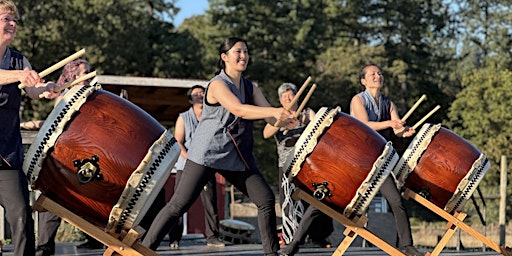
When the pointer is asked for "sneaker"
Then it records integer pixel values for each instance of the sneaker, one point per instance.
(174, 245)
(412, 251)
(215, 242)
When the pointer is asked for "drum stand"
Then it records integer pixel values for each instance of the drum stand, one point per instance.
(128, 246)
(354, 226)
(454, 221)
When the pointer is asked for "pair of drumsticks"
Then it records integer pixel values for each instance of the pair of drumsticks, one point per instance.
(296, 98)
(423, 97)
(59, 65)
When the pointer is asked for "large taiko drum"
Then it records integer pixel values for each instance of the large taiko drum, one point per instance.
(341, 161)
(441, 166)
(101, 157)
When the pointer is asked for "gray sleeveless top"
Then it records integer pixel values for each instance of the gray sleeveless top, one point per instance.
(214, 140)
(378, 112)
(190, 121)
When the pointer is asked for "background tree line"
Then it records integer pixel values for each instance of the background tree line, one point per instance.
(456, 52)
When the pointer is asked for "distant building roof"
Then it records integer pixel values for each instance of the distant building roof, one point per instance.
(162, 98)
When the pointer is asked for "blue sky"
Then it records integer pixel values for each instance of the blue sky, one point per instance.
(189, 8)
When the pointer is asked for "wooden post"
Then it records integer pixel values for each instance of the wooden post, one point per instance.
(503, 199)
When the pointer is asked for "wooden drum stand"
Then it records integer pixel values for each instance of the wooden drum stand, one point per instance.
(354, 226)
(128, 246)
(455, 221)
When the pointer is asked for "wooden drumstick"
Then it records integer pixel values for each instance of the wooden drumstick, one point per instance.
(57, 65)
(303, 104)
(296, 98)
(423, 97)
(425, 118)
(72, 83)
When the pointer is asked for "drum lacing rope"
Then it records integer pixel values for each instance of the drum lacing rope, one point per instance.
(474, 181)
(304, 146)
(40, 149)
(146, 179)
(358, 209)
(402, 167)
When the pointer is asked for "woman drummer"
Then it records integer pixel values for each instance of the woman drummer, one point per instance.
(223, 143)
(380, 113)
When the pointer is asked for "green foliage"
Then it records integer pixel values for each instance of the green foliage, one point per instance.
(456, 52)
(480, 114)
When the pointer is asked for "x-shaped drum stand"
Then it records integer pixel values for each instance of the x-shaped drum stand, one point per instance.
(455, 221)
(128, 246)
(355, 226)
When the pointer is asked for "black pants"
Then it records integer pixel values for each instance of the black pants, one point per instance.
(195, 176)
(14, 198)
(48, 224)
(211, 215)
(395, 201)
(313, 220)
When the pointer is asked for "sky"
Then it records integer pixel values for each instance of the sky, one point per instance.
(189, 8)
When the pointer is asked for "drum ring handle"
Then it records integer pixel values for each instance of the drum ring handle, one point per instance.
(88, 169)
(321, 190)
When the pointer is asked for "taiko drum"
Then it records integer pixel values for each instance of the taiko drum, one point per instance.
(341, 161)
(101, 157)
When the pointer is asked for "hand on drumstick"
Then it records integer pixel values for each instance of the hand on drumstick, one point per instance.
(405, 132)
(283, 117)
(30, 78)
(400, 129)
(49, 91)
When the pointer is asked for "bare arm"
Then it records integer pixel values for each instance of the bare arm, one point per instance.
(179, 135)
(269, 130)
(218, 92)
(358, 110)
(29, 77)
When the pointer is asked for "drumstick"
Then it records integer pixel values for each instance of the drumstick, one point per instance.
(425, 118)
(423, 97)
(57, 65)
(72, 83)
(296, 98)
(303, 104)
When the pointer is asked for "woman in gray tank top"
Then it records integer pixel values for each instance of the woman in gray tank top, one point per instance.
(380, 113)
(223, 143)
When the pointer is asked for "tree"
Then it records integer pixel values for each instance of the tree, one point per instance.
(120, 37)
(480, 114)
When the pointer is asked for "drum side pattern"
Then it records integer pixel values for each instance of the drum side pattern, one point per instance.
(158, 164)
(442, 165)
(343, 157)
(112, 129)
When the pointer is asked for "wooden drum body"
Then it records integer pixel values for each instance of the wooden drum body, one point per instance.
(101, 157)
(341, 161)
(441, 166)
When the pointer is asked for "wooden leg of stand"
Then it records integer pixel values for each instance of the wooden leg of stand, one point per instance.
(90, 229)
(447, 235)
(450, 218)
(350, 236)
(130, 239)
(349, 224)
